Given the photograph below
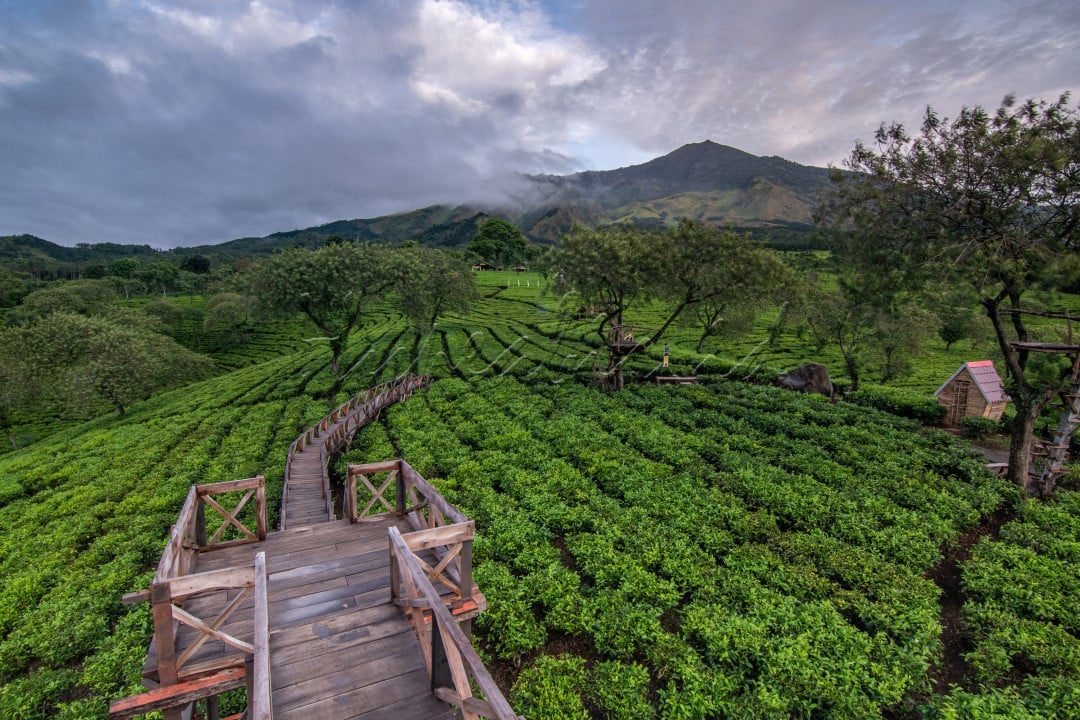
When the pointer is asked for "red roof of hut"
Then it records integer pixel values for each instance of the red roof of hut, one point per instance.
(986, 379)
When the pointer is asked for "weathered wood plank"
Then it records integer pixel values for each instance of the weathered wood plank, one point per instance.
(349, 703)
(174, 695)
(261, 704)
(304, 669)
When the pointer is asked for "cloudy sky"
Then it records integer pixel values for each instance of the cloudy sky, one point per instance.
(184, 122)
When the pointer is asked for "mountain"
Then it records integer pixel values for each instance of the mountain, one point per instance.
(705, 181)
(769, 197)
(437, 225)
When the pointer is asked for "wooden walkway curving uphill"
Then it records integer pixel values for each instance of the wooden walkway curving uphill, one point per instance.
(365, 617)
(306, 497)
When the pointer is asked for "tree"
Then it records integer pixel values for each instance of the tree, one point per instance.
(76, 363)
(161, 275)
(123, 272)
(85, 297)
(198, 264)
(498, 242)
(747, 282)
(432, 282)
(330, 286)
(988, 201)
(228, 320)
(618, 267)
(834, 318)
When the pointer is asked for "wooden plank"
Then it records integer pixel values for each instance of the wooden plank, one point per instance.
(181, 588)
(230, 486)
(440, 536)
(420, 707)
(170, 696)
(375, 467)
(337, 659)
(354, 627)
(261, 704)
(346, 703)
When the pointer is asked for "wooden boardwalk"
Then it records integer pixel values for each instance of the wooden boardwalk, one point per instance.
(339, 648)
(305, 503)
(306, 497)
(365, 617)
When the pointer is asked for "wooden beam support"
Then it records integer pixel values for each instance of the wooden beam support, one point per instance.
(165, 697)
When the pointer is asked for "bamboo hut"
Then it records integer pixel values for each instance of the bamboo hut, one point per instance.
(975, 390)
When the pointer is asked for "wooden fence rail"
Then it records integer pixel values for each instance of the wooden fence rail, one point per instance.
(184, 675)
(188, 535)
(357, 412)
(441, 527)
(452, 663)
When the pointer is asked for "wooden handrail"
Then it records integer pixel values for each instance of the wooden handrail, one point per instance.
(357, 412)
(182, 684)
(450, 658)
(437, 526)
(188, 535)
(414, 495)
(260, 691)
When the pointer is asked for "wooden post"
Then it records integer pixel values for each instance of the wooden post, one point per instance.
(399, 489)
(212, 708)
(465, 571)
(260, 508)
(260, 699)
(200, 522)
(441, 675)
(350, 495)
(249, 684)
(395, 577)
(161, 599)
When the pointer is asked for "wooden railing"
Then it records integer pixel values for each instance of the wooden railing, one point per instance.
(184, 678)
(447, 532)
(357, 412)
(452, 663)
(189, 536)
(431, 578)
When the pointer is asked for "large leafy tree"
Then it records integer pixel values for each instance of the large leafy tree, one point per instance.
(84, 297)
(691, 267)
(498, 242)
(331, 286)
(77, 364)
(431, 282)
(989, 201)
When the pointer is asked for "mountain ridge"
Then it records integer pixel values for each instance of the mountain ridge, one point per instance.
(706, 181)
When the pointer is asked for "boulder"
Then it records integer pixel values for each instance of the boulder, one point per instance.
(811, 378)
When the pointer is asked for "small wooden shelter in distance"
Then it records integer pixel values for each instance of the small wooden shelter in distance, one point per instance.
(975, 390)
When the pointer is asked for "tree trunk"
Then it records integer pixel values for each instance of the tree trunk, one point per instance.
(336, 348)
(1020, 442)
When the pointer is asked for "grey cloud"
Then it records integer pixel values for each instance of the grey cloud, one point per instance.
(199, 121)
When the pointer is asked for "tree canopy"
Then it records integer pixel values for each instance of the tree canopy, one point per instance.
(330, 286)
(498, 242)
(691, 266)
(989, 201)
(75, 364)
(432, 282)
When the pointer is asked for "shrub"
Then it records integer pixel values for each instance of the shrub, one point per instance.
(551, 689)
(905, 403)
(621, 691)
(978, 427)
